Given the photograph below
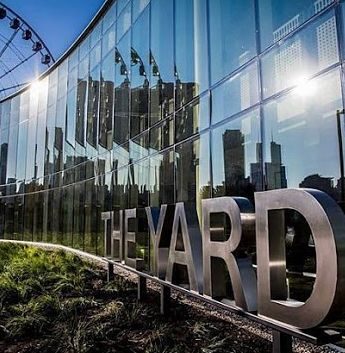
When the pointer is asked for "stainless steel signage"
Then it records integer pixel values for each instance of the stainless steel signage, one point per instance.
(178, 239)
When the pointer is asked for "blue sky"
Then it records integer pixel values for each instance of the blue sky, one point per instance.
(58, 22)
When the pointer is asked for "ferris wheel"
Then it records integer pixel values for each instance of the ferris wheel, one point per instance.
(23, 54)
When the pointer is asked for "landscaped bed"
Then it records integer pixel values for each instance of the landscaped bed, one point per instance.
(52, 301)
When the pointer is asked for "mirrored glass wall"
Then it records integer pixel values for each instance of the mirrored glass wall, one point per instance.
(168, 101)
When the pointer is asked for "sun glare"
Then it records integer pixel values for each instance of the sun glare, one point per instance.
(36, 88)
(305, 87)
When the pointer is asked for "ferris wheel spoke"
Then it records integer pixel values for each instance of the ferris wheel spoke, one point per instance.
(8, 42)
(16, 66)
(10, 80)
(13, 87)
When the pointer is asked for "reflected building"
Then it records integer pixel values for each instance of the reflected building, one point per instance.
(327, 42)
(106, 114)
(275, 174)
(150, 102)
(236, 183)
(318, 182)
(256, 175)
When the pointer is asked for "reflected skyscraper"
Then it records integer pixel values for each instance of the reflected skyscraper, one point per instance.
(275, 173)
(236, 182)
(256, 176)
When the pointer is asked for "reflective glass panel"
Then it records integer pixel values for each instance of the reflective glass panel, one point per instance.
(162, 135)
(138, 7)
(231, 22)
(122, 89)
(71, 116)
(92, 107)
(191, 52)
(138, 147)
(280, 17)
(193, 171)
(124, 21)
(139, 74)
(110, 17)
(192, 119)
(237, 157)
(236, 94)
(311, 50)
(108, 41)
(162, 189)
(107, 101)
(162, 60)
(301, 147)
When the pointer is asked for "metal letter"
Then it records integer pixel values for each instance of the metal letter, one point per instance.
(160, 233)
(130, 243)
(241, 272)
(191, 256)
(117, 239)
(327, 224)
(106, 216)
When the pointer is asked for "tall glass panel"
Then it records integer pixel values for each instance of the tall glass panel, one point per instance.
(67, 215)
(120, 188)
(138, 184)
(161, 60)
(139, 74)
(122, 89)
(193, 171)
(108, 41)
(191, 51)
(138, 7)
(109, 17)
(79, 216)
(95, 56)
(236, 94)
(301, 146)
(106, 108)
(60, 122)
(95, 35)
(162, 135)
(121, 156)
(232, 35)
(31, 170)
(124, 20)
(307, 52)
(5, 122)
(93, 107)
(237, 157)
(50, 128)
(280, 17)
(192, 119)
(82, 90)
(138, 147)
(41, 126)
(13, 140)
(71, 115)
(22, 139)
(161, 179)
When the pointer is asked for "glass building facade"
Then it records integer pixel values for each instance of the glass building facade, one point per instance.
(165, 101)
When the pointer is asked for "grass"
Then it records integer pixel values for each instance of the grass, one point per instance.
(51, 301)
